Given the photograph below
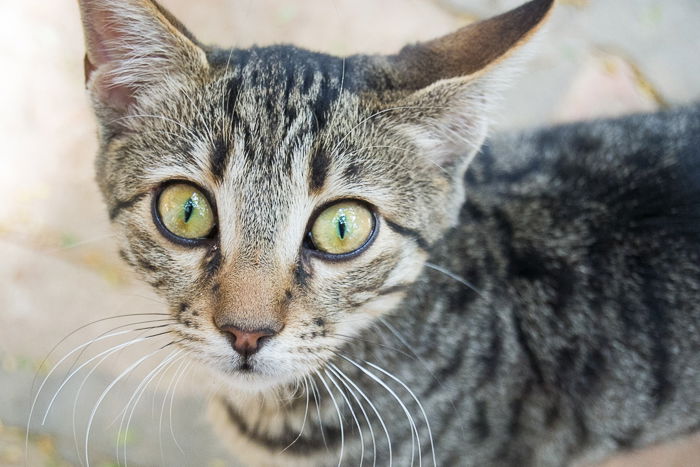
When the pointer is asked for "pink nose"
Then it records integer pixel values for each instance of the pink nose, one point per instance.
(247, 342)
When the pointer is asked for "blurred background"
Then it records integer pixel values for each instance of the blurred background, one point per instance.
(58, 266)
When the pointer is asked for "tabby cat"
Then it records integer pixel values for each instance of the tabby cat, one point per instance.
(365, 298)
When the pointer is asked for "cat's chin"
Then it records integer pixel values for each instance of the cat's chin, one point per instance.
(251, 381)
(255, 378)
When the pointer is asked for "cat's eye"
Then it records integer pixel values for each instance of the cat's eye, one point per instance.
(343, 228)
(185, 212)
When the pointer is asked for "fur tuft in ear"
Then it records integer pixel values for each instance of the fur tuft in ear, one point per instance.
(131, 46)
(453, 82)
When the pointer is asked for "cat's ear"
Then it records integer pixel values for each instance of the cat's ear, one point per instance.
(452, 80)
(132, 46)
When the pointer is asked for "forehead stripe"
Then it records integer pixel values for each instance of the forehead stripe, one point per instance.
(219, 158)
(319, 165)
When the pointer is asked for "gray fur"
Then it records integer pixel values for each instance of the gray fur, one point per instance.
(551, 320)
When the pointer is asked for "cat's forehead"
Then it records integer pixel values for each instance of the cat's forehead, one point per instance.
(286, 74)
(275, 116)
(274, 98)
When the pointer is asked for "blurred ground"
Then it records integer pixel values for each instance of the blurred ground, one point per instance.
(59, 269)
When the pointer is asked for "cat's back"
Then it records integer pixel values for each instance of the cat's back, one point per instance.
(587, 238)
(596, 186)
(638, 158)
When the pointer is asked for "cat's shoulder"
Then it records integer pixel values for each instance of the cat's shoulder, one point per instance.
(638, 174)
(619, 147)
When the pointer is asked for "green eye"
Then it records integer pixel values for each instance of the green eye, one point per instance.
(342, 228)
(185, 212)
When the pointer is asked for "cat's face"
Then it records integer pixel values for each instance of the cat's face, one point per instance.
(279, 200)
(270, 159)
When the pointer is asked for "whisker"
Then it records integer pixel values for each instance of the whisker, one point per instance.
(155, 391)
(427, 368)
(399, 148)
(306, 412)
(398, 399)
(362, 122)
(77, 397)
(170, 409)
(390, 347)
(224, 93)
(104, 394)
(146, 328)
(374, 409)
(188, 131)
(340, 93)
(420, 406)
(340, 418)
(454, 276)
(80, 328)
(352, 413)
(56, 366)
(162, 412)
(364, 413)
(317, 398)
(158, 334)
(139, 392)
(70, 376)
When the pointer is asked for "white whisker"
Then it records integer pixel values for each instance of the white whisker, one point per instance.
(340, 418)
(170, 410)
(403, 407)
(77, 398)
(306, 412)
(188, 131)
(374, 409)
(317, 399)
(420, 406)
(101, 337)
(364, 413)
(352, 413)
(162, 412)
(105, 353)
(159, 369)
(403, 341)
(104, 394)
(454, 276)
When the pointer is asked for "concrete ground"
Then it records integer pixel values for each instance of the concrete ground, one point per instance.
(59, 269)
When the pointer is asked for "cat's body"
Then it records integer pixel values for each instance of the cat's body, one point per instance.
(578, 334)
(553, 321)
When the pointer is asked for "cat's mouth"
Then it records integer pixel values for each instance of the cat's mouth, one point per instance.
(245, 366)
(244, 371)
(248, 366)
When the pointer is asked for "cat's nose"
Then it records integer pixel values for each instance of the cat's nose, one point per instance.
(247, 342)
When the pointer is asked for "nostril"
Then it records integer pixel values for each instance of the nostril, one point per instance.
(247, 342)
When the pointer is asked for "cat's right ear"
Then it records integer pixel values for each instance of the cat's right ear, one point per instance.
(133, 47)
(450, 83)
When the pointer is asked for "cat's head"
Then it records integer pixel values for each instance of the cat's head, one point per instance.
(282, 200)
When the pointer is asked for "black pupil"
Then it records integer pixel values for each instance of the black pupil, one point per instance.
(189, 208)
(341, 227)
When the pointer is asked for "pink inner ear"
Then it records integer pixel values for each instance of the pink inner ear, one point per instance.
(118, 97)
(101, 35)
(107, 50)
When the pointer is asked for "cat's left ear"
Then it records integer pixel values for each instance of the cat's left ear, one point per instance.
(132, 47)
(453, 80)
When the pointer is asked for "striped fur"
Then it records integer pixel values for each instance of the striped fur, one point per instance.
(549, 319)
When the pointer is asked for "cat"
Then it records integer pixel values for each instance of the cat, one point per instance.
(374, 286)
